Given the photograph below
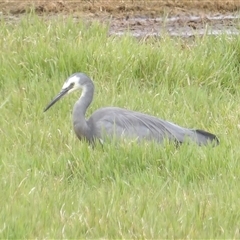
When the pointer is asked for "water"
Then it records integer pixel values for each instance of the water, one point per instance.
(182, 26)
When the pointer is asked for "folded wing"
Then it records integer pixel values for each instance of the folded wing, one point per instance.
(119, 122)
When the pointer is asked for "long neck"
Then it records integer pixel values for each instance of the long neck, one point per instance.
(85, 100)
(80, 124)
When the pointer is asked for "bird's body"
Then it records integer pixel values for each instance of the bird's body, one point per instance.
(114, 122)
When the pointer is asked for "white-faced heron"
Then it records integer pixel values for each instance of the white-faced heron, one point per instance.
(114, 122)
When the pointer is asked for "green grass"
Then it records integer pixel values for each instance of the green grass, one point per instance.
(54, 186)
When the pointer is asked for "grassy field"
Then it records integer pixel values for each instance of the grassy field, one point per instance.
(54, 186)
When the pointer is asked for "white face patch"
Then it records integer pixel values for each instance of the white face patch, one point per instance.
(74, 80)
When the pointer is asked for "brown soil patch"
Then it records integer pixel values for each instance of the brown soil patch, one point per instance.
(142, 17)
(121, 8)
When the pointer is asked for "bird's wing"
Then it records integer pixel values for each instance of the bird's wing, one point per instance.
(120, 122)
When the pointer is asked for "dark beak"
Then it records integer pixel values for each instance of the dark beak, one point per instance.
(60, 95)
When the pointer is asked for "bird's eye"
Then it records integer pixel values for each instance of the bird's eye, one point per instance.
(72, 84)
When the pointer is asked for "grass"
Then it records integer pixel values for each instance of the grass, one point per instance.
(54, 186)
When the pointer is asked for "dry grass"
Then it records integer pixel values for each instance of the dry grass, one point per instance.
(117, 7)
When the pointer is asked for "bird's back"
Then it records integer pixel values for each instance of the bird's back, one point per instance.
(117, 122)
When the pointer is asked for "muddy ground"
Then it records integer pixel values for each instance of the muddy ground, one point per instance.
(141, 17)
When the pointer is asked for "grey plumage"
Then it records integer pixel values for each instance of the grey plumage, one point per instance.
(114, 122)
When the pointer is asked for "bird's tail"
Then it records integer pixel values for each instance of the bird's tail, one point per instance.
(206, 137)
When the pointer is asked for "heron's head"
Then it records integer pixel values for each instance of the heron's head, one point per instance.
(74, 82)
